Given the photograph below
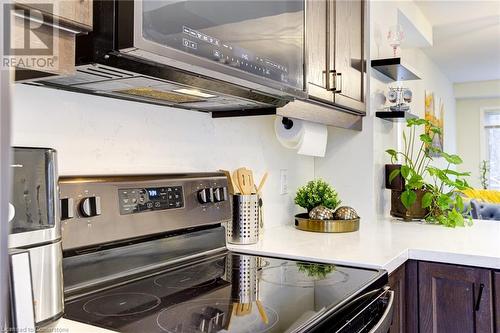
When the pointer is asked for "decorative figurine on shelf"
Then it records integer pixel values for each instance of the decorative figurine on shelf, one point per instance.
(395, 36)
(399, 95)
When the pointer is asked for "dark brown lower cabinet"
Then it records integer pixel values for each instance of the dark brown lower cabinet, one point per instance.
(454, 299)
(496, 284)
(397, 282)
(445, 298)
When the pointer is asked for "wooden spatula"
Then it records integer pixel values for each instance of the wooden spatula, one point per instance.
(245, 181)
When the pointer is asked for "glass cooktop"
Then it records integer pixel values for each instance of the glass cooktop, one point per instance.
(229, 293)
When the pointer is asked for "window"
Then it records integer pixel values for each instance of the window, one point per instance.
(492, 136)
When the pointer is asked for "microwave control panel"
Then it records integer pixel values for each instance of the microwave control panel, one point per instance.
(137, 200)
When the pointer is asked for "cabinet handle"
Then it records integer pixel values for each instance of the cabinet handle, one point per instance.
(338, 76)
(479, 296)
(332, 81)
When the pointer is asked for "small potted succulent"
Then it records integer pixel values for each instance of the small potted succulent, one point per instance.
(323, 212)
(317, 193)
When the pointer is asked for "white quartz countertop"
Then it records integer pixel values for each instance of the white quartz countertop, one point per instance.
(385, 243)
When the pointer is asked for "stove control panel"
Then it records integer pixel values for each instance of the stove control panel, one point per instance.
(136, 200)
(99, 210)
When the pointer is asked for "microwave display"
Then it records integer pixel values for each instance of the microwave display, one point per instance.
(263, 38)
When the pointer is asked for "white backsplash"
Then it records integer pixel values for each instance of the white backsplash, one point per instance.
(96, 135)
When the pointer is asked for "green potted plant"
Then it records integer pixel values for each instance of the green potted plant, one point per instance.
(321, 202)
(317, 193)
(429, 192)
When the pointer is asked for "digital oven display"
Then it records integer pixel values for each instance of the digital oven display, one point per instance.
(153, 193)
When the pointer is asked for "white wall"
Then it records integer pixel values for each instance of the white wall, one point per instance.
(96, 135)
(469, 134)
(477, 89)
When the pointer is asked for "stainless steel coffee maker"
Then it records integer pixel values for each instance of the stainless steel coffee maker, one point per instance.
(35, 238)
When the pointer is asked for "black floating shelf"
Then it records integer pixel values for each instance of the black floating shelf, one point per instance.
(393, 69)
(395, 115)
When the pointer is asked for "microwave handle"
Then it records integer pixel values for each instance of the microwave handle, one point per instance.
(21, 292)
(384, 324)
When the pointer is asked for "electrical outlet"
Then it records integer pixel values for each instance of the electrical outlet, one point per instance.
(283, 181)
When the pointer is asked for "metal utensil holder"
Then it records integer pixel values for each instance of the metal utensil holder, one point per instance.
(244, 227)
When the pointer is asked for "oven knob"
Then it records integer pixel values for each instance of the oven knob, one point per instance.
(206, 195)
(90, 206)
(67, 208)
(220, 194)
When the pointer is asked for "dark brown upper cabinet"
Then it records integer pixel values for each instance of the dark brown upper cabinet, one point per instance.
(455, 298)
(335, 48)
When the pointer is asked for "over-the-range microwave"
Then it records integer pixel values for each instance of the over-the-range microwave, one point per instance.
(202, 55)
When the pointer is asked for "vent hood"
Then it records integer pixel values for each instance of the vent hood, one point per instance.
(198, 93)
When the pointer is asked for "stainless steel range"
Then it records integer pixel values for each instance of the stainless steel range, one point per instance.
(148, 254)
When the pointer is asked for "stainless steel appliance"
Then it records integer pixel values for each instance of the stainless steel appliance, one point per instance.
(148, 254)
(35, 228)
(202, 55)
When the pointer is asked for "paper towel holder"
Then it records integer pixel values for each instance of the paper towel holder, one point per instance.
(287, 123)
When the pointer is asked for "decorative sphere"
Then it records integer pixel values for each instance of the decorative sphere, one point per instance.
(321, 213)
(345, 213)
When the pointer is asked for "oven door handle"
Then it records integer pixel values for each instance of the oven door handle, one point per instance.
(384, 324)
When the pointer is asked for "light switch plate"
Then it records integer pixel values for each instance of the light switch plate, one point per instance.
(283, 181)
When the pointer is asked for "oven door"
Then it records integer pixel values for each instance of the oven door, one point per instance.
(255, 44)
(369, 313)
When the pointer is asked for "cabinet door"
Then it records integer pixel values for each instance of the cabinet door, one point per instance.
(317, 46)
(397, 282)
(73, 13)
(349, 54)
(60, 62)
(496, 279)
(454, 299)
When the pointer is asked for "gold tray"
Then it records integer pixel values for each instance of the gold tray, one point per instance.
(303, 222)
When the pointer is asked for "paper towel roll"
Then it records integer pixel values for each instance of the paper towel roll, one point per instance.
(289, 138)
(314, 139)
(309, 138)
